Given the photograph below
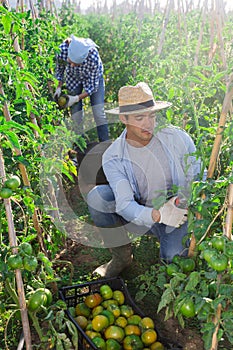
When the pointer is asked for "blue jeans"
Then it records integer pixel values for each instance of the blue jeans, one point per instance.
(101, 204)
(97, 103)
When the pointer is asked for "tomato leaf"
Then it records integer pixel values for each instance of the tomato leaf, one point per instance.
(166, 298)
(194, 279)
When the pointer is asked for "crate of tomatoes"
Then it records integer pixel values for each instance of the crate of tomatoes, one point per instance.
(107, 318)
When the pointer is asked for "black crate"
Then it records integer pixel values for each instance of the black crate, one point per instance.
(72, 295)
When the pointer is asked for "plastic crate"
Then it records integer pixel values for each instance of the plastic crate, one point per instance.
(72, 295)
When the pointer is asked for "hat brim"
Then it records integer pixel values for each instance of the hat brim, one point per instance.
(157, 107)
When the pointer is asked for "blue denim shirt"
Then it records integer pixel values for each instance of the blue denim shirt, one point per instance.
(185, 167)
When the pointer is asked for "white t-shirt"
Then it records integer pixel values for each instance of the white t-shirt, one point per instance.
(151, 169)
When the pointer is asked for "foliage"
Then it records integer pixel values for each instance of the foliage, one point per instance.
(39, 134)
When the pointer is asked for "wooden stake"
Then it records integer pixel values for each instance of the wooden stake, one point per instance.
(222, 120)
(229, 217)
(18, 275)
(216, 321)
(165, 22)
(25, 178)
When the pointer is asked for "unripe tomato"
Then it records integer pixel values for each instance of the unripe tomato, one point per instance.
(100, 322)
(106, 291)
(48, 295)
(37, 300)
(172, 268)
(99, 342)
(93, 300)
(118, 295)
(188, 309)
(132, 342)
(218, 243)
(15, 262)
(149, 337)
(25, 248)
(30, 263)
(13, 182)
(5, 192)
(112, 344)
(219, 263)
(187, 265)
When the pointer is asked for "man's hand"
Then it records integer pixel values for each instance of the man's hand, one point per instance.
(57, 93)
(72, 100)
(171, 215)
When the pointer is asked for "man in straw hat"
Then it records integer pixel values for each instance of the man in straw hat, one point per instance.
(144, 166)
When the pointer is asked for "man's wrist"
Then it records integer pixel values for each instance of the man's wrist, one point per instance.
(155, 215)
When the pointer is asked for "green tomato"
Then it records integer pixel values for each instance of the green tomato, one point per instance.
(219, 263)
(37, 300)
(13, 182)
(218, 243)
(229, 249)
(172, 268)
(48, 295)
(187, 265)
(15, 262)
(25, 248)
(176, 259)
(188, 309)
(6, 192)
(209, 254)
(30, 263)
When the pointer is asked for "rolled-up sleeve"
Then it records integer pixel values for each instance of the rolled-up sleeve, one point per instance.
(126, 205)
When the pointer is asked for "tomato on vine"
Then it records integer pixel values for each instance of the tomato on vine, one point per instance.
(219, 263)
(30, 263)
(188, 309)
(15, 262)
(48, 295)
(25, 248)
(5, 192)
(171, 269)
(218, 243)
(13, 182)
(36, 301)
(187, 265)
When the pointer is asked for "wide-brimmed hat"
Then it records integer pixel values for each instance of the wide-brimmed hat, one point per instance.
(137, 99)
(79, 48)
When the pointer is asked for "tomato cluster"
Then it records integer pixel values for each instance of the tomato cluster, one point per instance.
(180, 264)
(10, 186)
(112, 324)
(23, 259)
(217, 252)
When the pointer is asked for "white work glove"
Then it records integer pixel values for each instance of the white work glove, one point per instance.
(72, 100)
(57, 93)
(171, 215)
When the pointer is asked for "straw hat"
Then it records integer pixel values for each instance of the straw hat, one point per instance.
(137, 99)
